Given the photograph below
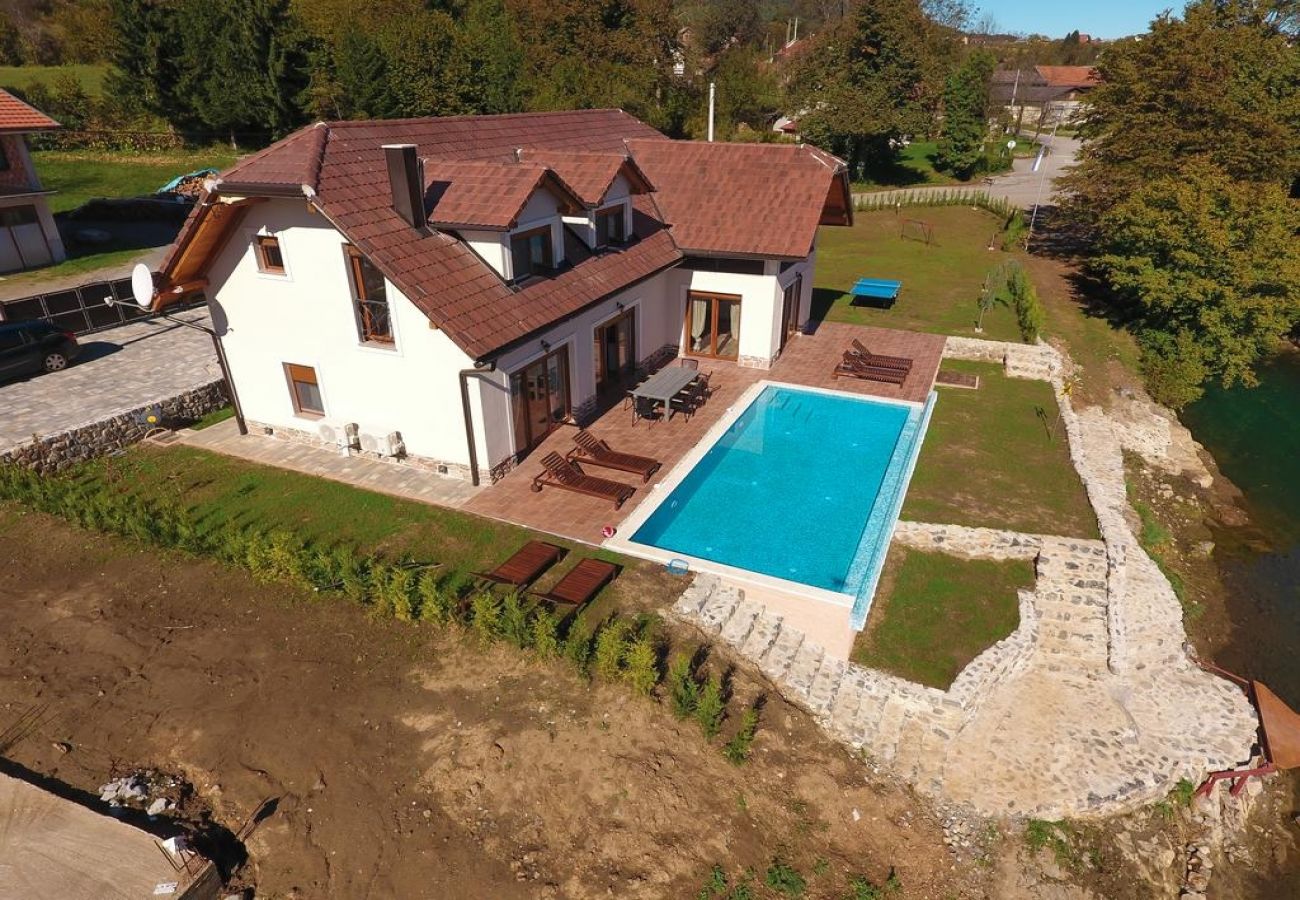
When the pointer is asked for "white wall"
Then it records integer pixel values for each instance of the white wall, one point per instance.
(760, 305)
(306, 317)
(493, 246)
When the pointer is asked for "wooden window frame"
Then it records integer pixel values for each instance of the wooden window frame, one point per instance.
(548, 264)
(614, 213)
(264, 265)
(296, 374)
(712, 297)
(355, 260)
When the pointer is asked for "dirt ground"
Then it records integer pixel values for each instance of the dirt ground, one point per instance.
(406, 763)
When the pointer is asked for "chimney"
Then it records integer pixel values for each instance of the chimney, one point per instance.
(407, 183)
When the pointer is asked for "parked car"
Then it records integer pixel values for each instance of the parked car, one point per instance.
(27, 348)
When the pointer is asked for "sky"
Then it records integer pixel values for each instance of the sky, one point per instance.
(1099, 18)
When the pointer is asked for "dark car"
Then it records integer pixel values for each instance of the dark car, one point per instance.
(37, 346)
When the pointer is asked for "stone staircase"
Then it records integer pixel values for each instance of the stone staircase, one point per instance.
(1071, 601)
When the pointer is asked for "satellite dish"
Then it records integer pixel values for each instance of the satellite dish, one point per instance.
(1011, 145)
(142, 285)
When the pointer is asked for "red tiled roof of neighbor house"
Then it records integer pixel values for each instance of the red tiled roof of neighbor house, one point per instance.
(1069, 76)
(341, 167)
(476, 194)
(15, 115)
(590, 174)
(752, 199)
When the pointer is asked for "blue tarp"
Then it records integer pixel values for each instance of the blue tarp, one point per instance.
(876, 288)
(175, 182)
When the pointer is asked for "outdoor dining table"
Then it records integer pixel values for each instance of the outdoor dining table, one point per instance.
(665, 384)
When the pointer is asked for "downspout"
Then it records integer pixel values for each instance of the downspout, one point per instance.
(480, 371)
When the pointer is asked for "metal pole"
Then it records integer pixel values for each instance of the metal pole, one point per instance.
(1042, 177)
(711, 93)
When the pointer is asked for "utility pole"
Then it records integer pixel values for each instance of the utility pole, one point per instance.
(711, 94)
(1042, 177)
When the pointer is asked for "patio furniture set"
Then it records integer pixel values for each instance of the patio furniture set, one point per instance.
(530, 562)
(682, 388)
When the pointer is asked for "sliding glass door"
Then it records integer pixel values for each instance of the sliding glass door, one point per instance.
(539, 395)
(713, 325)
(615, 352)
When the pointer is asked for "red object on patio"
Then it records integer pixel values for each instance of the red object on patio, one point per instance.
(1279, 727)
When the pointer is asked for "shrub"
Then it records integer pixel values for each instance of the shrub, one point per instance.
(861, 888)
(1015, 231)
(515, 625)
(577, 644)
(642, 664)
(785, 879)
(1029, 309)
(611, 644)
(437, 602)
(400, 591)
(545, 639)
(736, 750)
(487, 616)
(711, 707)
(1174, 367)
(683, 690)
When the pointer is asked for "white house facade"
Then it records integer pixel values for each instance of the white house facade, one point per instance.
(445, 292)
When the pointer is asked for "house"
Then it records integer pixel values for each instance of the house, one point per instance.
(1043, 94)
(446, 291)
(28, 236)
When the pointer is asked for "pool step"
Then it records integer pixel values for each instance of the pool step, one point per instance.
(803, 669)
(719, 607)
(761, 636)
(696, 594)
(737, 628)
(776, 661)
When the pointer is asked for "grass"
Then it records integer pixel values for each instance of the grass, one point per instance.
(1157, 540)
(989, 460)
(212, 418)
(22, 77)
(915, 166)
(21, 283)
(941, 282)
(934, 613)
(81, 175)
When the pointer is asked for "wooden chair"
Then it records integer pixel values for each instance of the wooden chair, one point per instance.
(525, 566)
(582, 583)
(902, 363)
(592, 449)
(563, 473)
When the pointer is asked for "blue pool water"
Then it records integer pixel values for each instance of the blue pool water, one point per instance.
(803, 486)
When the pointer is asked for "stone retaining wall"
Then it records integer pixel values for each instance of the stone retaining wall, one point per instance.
(54, 452)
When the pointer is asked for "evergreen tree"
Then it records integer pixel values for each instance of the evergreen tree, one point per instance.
(965, 115)
(361, 73)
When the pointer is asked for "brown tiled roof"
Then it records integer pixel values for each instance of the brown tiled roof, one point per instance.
(765, 200)
(1069, 76)
(756, 199)
(15, 115)
(477, 194)
(589, 174)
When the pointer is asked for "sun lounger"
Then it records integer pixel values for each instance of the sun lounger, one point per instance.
(582, 583)
(880, 362)
(527, 564)
(564, 473)
(852, 367)
(592, 449)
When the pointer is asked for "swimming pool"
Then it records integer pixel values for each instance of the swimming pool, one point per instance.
(802, 485)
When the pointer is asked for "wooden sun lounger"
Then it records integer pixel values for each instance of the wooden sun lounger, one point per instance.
(592, 449)
(856, 369)
(880, 362)
(525, 566)
(582, 583)
(564, 473)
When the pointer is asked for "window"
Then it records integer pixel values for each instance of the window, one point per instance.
(269, 257)
(4, 156)
(531, 252)
(732, 265)
(609, 227)
(370, 296)
(13, 216)
(305, 390)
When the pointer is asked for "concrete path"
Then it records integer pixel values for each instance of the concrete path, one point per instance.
(119, 369)
(372, 474)
(1091, 707)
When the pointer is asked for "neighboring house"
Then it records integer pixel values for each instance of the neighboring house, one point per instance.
(1044, 94)
(447, 291)
(28, 236)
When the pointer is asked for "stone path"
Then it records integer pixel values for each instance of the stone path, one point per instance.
(1090, 708)
(120, 369)
(373, 474)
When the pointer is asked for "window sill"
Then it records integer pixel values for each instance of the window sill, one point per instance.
(308, 415)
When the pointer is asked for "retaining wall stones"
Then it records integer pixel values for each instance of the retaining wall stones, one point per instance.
(114, 431)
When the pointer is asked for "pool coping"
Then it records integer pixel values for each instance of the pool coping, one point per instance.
(664, 489)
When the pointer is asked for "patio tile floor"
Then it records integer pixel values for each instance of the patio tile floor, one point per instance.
(808, 360)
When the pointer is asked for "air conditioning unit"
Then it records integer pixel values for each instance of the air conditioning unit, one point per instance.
(396, 446)
(352, 431)
(327, 434)
(371, 444)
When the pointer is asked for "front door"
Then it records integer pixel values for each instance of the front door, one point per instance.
(790, 309)
(713, 325)
(539, 395)
(615, 352)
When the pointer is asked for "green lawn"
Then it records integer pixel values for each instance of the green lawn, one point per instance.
(988, 460)
(20, 77)
(913, 168)
(81, 175)
(941, 281)
(934, 613)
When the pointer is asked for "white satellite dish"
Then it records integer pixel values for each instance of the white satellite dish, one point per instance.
(142, 285)
(1011, 145)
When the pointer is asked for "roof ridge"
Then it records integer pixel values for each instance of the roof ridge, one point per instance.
(530, 114)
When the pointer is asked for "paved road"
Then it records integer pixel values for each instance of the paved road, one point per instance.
(119, 369)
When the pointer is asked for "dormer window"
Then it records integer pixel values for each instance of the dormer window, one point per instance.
(610, 226)
(531, 252)
(370, 299)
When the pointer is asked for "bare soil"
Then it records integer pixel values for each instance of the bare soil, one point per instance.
(402, 762)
